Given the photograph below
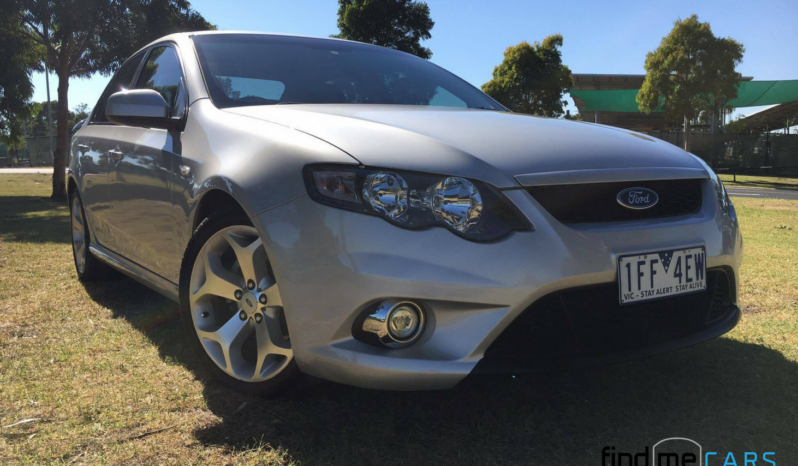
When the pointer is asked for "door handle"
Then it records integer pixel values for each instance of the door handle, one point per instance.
(115, 155)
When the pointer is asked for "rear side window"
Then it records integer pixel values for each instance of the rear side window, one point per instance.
(162, 73)
(121, 81)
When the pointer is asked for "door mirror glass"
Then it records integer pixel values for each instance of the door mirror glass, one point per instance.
(141, 107)
(162, 73)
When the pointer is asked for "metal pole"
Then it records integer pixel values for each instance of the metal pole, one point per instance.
(25, 135)
(49, 110)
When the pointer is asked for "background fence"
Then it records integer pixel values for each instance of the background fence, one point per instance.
(753, 154)
(39, 151)
(36, 154)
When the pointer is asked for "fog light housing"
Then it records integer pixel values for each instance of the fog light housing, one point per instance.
(391, 324)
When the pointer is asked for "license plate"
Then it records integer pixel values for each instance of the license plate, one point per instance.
(660, 274)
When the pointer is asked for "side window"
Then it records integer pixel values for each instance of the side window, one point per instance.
(444, 98)
(121, 81)
(162, 73)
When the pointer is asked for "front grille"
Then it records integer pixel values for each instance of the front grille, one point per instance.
(589, 321)
(597, 202)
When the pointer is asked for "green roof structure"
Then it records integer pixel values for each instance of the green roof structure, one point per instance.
(749, 94)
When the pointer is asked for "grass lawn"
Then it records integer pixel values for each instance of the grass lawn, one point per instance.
(767, 182)
(104, 371)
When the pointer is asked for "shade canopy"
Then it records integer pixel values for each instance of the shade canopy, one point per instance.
(749, 94)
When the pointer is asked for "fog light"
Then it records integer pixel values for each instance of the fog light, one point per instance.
(392, 324)
(403, 322)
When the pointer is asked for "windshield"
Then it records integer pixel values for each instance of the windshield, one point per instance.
(255, 69)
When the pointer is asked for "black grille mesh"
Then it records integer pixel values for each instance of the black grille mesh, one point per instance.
(597, 202)
(720, 300)
(590, 321)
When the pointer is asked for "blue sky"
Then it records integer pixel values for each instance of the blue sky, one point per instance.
(470, 36)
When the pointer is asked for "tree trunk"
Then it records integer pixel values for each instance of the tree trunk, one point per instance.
(686, 134)
(62, 136)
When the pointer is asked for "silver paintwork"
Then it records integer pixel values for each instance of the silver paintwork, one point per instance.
(333, 264)
(141, 103)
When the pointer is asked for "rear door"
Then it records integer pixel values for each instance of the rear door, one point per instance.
(140, 178)
(93, 147)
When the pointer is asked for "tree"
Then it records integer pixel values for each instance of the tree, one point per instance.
(397, 24)
(691, 71)
(531, 78)
(19, 58)
(741, 125)
(80, 112)
(83, 37)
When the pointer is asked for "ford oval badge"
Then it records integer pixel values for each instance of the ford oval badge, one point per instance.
(637, 198)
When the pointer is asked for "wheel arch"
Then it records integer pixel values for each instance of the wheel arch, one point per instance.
(72, 184)
(215, 200)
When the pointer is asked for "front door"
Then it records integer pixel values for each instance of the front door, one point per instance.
(93, 148)
(140, 178)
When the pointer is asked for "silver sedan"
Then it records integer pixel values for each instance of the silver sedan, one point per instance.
(361, 215)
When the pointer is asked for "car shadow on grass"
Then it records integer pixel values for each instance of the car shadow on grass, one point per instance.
(30, 219)
(726, 395)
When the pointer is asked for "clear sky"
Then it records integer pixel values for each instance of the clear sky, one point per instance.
(470, 36)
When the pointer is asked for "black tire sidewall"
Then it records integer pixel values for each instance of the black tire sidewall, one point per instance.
(92, 267)
(206, 229)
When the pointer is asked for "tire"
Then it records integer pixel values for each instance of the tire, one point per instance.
(236, 327)
(88, 267)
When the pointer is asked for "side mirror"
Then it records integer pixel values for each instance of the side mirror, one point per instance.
(139, 107)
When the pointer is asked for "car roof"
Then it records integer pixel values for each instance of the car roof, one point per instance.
(180, 36)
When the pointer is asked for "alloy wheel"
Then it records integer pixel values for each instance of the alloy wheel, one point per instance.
(78, 235)
(236, 306)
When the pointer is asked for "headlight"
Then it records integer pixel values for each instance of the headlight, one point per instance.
(468, 208)
(724, 202)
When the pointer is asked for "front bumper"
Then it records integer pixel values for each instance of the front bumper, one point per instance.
(331, 264)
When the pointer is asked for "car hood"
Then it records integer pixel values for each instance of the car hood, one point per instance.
(501, 148)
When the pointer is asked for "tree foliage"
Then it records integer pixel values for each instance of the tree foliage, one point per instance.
(691, 71)
(397, 24)
(531, 78)
(19, 57)
(83, 37)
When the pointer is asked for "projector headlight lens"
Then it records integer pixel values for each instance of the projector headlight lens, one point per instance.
(724, 202)
(387, 194)
(457, 202)
(469, 208)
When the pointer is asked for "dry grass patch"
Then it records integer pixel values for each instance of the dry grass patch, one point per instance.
(767, 182)
(104, 370)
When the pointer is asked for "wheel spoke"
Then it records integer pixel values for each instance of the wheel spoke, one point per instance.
(218, 280)
(270, 339)
(273, 296)
(230, 337)
(80, 250)
(247, 256)
(76, 213)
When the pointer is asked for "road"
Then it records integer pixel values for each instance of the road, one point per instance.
(27, 171)
(763, 193)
